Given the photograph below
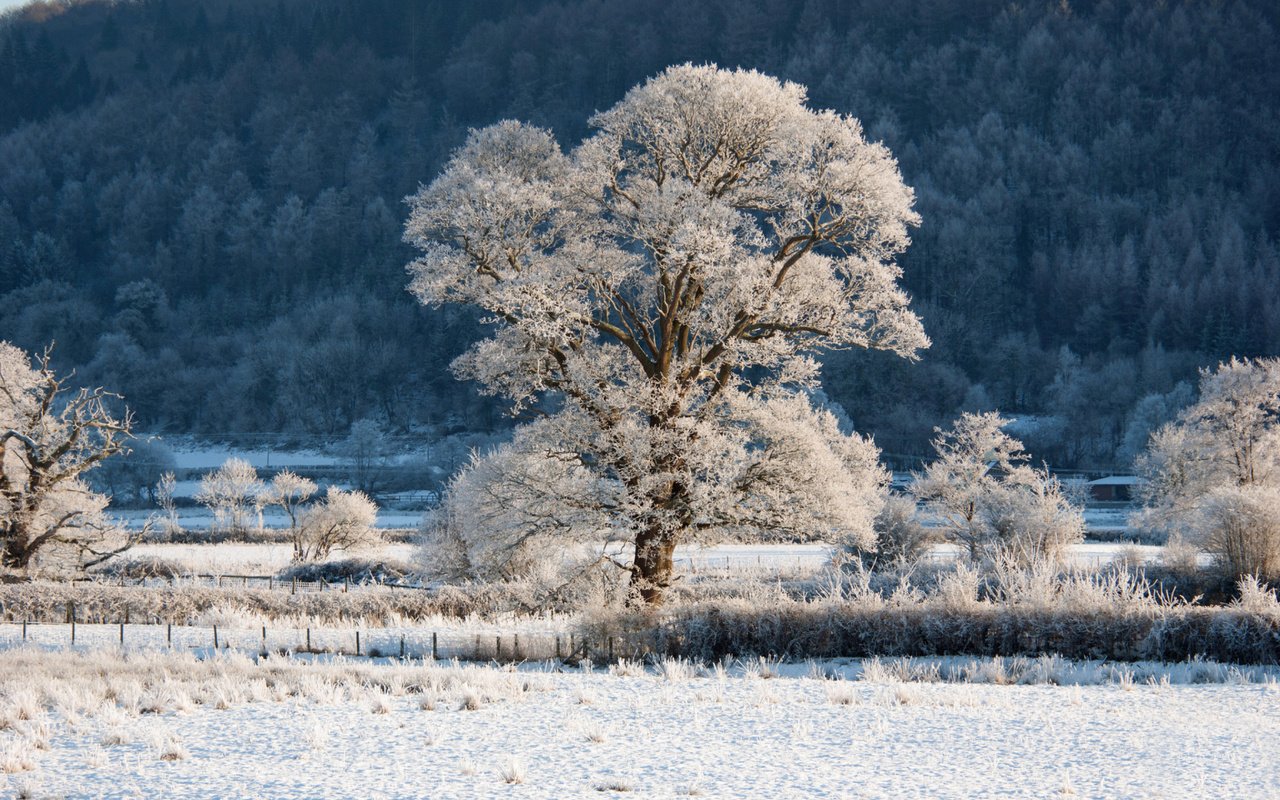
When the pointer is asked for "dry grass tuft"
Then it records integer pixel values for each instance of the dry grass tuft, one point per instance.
(512, 770)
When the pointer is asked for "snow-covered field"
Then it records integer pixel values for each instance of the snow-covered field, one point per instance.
(196, 519)
(269, 558)
(243, 558)
(1109, 520)
(277, 731)
(210, 457)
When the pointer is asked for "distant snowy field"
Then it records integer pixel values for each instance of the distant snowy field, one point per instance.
(263, 559)
(196, 519)
(189, 457)
(1108, 520)
(242, 558)
(576, 734)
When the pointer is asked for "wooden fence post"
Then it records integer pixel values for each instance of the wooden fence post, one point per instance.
(215, 637)
(357, 642)
(435, 647)
(402, 647)
(308, 640)
(122, 634)
(24, 630)
(168, 635)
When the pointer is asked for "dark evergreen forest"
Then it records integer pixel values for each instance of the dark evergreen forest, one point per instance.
(200, 200)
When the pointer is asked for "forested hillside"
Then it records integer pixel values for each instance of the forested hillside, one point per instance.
(200, 200)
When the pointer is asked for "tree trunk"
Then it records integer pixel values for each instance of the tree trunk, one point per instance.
(652, 569)
(16, 554)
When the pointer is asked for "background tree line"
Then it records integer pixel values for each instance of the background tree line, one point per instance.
(201, 199)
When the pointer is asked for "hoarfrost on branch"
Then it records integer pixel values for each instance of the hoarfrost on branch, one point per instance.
(661, 292)
(50, 520)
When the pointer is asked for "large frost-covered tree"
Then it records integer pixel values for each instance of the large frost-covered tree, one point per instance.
(50, 437)
(661, 292)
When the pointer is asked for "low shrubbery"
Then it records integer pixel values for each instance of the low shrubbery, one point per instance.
(141, 568)
(1110, 615)
(355, 570)
(1006, 611)
(265, 536)
(100, 603)
(211, 536)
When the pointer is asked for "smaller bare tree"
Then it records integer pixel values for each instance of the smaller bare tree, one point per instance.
(341, 521)
(165, 490)
(289, 491)
(365, 450)
(231, 493)
(973, 458)
(986, 499)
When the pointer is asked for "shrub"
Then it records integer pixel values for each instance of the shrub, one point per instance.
(1213, 475)
(900, 536)
(341, 521)
(231, 492)
(1240, 526)
(356, 570)
(986, 499)
(141, 568)
(1106, 615)
(1031, 520)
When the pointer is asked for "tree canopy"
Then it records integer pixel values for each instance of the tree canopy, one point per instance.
(662, 290)
(50, 520)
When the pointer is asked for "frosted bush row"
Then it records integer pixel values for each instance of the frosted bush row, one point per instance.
(1112, 615)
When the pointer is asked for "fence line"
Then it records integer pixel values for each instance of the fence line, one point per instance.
(709, 565)
(403, 643)
(269, 582)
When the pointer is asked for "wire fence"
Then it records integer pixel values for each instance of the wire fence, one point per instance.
(268, 582)
(400, 643)
(712, 566)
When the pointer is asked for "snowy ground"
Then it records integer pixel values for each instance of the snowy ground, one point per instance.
(572, 734)
(1108, 520)
(190, 457)
(243, 558)
(264, 559)
(195, 519)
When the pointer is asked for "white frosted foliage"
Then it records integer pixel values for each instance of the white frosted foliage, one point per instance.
(50, 520)
(232, 492)
(340, 521)
(988, 500)
(668, 282)
(1213, 475)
